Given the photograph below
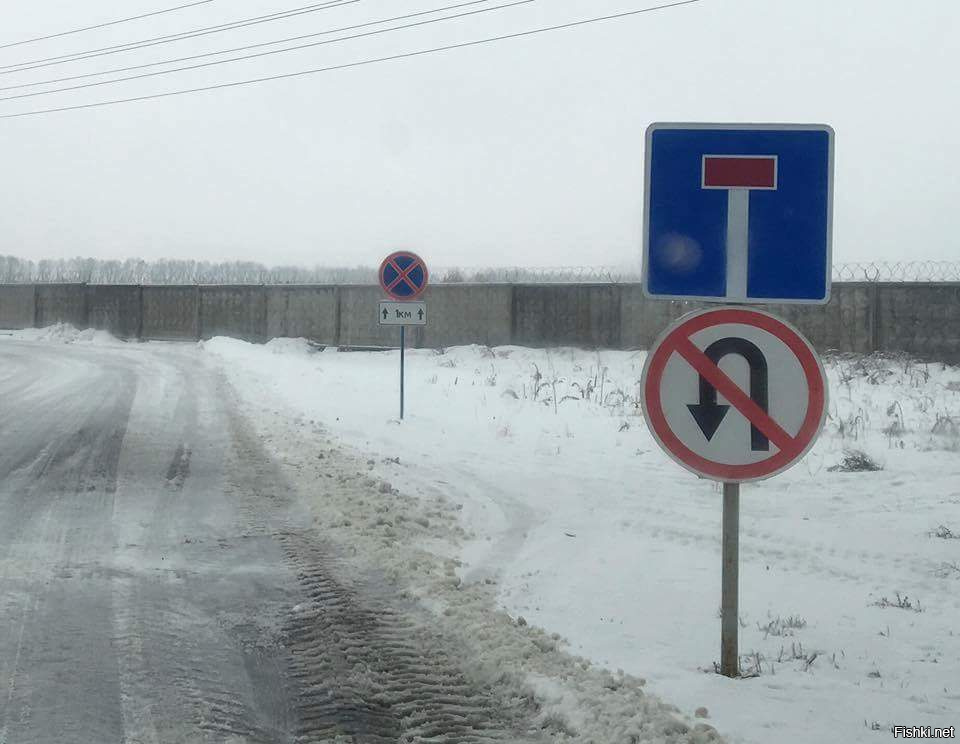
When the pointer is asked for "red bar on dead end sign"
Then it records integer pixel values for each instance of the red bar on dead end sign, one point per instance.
(739, 172)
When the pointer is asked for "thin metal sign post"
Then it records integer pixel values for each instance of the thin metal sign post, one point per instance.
(402, 314)
(730, 582)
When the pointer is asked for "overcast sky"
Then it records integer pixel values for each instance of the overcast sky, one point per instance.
(523, 152)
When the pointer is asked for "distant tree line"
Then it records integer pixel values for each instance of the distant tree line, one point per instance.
(14, 270)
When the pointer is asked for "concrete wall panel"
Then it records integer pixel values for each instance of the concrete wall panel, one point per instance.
(460, 314)
(236, 311)
(358, 319)
(61, 303)
(643, 320)
(114, 309)
(171, 312)
(16, 306)
(852, 326)
(844, 324)
(567, 315)
(922, 319)
(302, 312)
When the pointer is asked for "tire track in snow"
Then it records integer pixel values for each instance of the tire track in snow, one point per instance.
(794, 554)
(198, 662)
(368, 668)
(59, 476)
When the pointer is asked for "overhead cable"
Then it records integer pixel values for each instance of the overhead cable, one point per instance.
(243, 48)
(103, 25)
(349, 65)
(169, 38)
(265, 54)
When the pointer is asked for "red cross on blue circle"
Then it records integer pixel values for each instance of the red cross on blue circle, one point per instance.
(403, 275)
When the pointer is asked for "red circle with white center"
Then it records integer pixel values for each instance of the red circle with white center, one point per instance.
(679, 334)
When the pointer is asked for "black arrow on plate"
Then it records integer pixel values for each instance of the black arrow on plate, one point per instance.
(709, 414)
(384, 313)
(420, 313)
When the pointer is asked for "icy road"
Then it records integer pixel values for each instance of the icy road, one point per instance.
(160, 584)
(164, 580)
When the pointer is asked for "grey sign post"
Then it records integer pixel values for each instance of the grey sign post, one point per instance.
(402, 314)
(730, 582)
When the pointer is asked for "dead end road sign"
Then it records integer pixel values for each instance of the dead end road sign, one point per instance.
(738, 212)
(734, 394)
(402, 313)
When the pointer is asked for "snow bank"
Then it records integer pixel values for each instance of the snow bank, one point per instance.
(64, 333)
(524, 499)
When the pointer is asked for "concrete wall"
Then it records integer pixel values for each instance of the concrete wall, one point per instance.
(114, 309)
(61, 303)
(923, 319)
(171, 312)
(17, 306)
(567, 315)
(358, 319)
(642, 320)
(466, 314)
(237, 311)
(846, 322)
(303, 312)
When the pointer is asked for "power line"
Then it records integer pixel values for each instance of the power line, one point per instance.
(143, 43)
(243, 48)
(103, 25)
(265, 54)
(348, 65)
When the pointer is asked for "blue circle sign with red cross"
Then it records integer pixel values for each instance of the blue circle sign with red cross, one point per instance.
(404, 275)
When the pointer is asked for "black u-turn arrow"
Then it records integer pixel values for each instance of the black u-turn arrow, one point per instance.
(708, 413)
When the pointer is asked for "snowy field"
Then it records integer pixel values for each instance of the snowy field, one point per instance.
(590, 531)
(526, 481)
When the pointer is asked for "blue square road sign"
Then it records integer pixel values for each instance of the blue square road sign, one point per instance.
(738, 212)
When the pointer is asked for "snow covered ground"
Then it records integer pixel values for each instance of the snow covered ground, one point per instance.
(583, 527)
(526, 480)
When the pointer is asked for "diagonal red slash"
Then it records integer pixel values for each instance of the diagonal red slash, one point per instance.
(737, 398)
(403, 275)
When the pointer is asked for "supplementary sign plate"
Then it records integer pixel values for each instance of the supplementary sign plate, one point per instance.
(403, 313)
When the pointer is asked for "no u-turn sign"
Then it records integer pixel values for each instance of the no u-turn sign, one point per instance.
(734, 394)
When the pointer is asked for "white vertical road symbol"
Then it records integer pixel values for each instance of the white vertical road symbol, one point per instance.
(738, 175)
